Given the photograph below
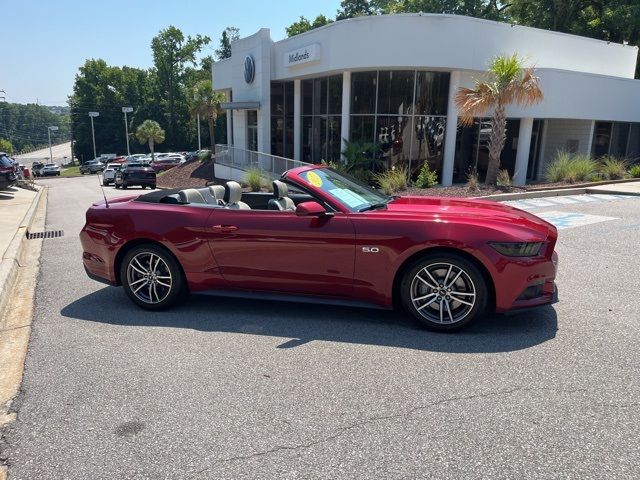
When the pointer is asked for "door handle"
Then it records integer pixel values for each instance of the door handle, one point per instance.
(224, 228)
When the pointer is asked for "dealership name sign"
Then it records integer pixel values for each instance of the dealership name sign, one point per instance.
(307, 54)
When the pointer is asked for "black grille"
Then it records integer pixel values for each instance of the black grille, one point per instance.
(45, 234)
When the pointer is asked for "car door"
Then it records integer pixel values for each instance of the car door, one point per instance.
(282, 252)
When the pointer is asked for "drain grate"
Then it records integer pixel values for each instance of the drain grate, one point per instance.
(45, 234)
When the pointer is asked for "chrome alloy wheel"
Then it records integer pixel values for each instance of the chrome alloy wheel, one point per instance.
(149, 277)
(443, 293)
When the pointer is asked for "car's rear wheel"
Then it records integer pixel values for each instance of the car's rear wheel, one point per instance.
(124, 186)
(151, 277)
(443, 291)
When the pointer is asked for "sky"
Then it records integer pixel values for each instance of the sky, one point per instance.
(44, 42)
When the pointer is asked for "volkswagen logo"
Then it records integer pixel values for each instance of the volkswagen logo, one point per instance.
(249, 69)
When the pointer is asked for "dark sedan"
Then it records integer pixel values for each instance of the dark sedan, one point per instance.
(8, 172)
(135, 174)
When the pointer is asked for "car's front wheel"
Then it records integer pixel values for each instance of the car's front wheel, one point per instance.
(151, 277)
(443, 291)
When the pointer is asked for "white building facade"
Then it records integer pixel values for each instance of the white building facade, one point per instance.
(390, 80)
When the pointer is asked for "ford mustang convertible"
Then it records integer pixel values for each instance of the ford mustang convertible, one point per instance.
(322, 236)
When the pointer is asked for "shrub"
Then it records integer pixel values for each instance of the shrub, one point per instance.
(427, 177)
(473, 181)
(613, 168)
(568, 167)
(634, 171)
(254, 179)
(392, 181)
(504, 179)
(558, 170)
(583, 167)
(204, 155)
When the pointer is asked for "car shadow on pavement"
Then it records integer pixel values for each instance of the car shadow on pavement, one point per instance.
(300, 323)
(7, 193)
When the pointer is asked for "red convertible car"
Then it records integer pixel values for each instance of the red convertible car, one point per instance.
(323, 236)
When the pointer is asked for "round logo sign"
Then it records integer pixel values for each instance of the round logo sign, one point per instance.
(249, 69)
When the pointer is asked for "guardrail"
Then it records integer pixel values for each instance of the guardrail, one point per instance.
(271, 165)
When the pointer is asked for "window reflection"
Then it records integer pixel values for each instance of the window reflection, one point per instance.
(321, 119)
(282, 119)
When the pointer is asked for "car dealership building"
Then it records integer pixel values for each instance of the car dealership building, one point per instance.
(391, 80)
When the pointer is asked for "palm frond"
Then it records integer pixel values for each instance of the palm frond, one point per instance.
(475, 102)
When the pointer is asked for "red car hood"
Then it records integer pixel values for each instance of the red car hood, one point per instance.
(471, 211)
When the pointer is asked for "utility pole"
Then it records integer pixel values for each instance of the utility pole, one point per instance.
(126, 110)
(93, 134)
(53, 128)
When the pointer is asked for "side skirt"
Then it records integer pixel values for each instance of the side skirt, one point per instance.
(283, 297)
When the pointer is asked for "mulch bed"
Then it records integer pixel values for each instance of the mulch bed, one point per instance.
(197, 174)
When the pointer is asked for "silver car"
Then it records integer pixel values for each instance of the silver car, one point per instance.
(109, 173)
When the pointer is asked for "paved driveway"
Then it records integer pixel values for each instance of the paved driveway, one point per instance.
(227, 388)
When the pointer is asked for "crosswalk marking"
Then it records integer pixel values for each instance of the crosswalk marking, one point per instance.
(535, 203)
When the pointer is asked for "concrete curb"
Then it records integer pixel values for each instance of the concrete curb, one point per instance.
(500, 197)
(611, 191)
(12, 258)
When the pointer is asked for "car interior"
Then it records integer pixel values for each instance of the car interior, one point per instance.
(230, 196)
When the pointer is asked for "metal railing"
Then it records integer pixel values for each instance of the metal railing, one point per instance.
(270, 165)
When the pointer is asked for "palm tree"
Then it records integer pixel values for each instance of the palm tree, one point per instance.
(151, 132)
(206, 104)
(508, 81)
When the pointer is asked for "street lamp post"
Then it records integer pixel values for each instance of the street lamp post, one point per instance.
(53, 128)
(126, 110)
(93, 134)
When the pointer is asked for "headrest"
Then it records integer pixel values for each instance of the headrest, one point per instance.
(232, 192)
(280, 189)
(217, 191)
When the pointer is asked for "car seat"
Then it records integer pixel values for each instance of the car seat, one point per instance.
(233, 195)
(280, 200)
(218, 193)
(191, 195)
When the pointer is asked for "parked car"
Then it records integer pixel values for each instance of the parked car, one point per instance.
(92, 166)
(443, 260)
(109, 173)
(36, 168)
(24, 170)
(8, 172)
(132, 174)
(51, 169)
(166, 163)
(136, 157)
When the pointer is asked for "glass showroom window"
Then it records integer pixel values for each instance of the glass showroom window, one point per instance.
(282, 119)
(472, 148)
(403, 113)
(620, 139)
(321, 119)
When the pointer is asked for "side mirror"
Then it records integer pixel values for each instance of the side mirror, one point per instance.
(311, 209)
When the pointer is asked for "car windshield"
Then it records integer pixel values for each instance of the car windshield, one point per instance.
(346, 190)
(135, 165)
(5, 162)
(50, 165)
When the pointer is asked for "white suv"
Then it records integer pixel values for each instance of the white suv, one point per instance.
(109, 173)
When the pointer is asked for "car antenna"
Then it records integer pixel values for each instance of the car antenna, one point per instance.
(100, 182)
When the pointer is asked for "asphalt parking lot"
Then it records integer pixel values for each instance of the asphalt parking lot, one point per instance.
(229, 388)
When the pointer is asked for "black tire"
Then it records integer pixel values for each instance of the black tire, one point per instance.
(129, 274)
(58, 174)
(446, 307)
(124, 186)
(153, 187)
(144, 187)
(116, 185)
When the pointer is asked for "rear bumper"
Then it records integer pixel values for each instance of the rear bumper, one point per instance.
(97, 277)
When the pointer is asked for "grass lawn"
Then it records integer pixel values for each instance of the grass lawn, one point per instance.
(70, 172)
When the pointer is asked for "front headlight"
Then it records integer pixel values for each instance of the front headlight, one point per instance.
(517, 249)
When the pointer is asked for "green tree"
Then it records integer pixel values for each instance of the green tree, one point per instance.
(172, 52)
(356, 8)
(507, 81)
(229, 34)
(304, 25)
(26, 125)
(6, 146)
(150, 132)
(206, 103)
